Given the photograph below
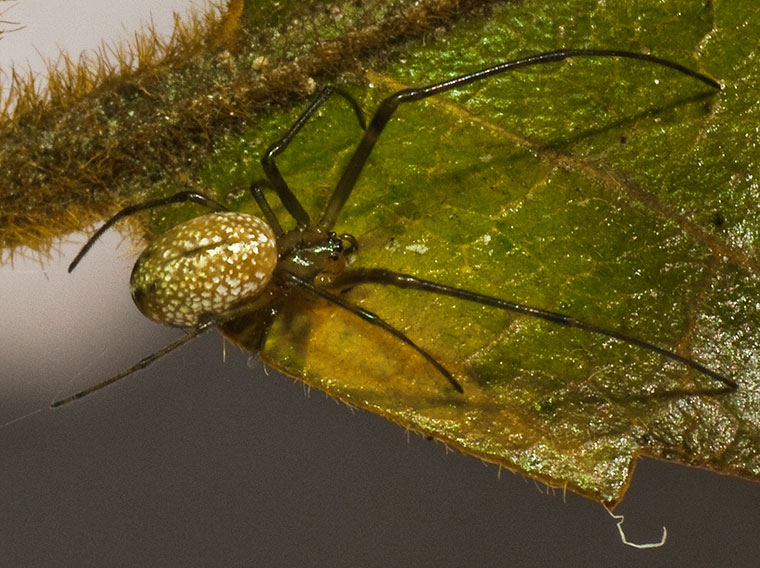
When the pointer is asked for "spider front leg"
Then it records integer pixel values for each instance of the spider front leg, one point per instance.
(355, 277)
(377, 321)
(181, 197)
(287, 197)
(389, 105)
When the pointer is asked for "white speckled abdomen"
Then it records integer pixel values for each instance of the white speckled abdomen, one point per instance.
(203, 267)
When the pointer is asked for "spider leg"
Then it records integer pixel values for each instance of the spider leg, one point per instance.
(358, 276)
(287, 197)
(141, 364)
(253, 330)
(271, 218)
(181, 197)
(389, 105)
(375, 320)
(232, 319)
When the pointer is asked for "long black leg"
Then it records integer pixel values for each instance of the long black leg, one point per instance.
(181, 197)
(389, 105)
(376, 320)
(141, 364)
(358, 276)
(271, 218)
(263, 324)
(287, 197)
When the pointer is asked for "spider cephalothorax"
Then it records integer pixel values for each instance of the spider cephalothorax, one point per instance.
(314, 255)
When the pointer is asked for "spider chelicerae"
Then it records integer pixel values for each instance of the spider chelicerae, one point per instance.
(224, 265)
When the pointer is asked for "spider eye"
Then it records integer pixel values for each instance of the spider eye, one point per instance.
(204, 267)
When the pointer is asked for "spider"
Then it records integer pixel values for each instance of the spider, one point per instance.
(220, 266)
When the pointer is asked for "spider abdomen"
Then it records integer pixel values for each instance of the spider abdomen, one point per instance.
(203, 268)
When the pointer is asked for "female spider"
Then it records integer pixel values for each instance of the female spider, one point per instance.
(216, 268)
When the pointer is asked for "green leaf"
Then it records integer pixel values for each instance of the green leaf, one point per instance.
(599, 189)
(614, 191)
